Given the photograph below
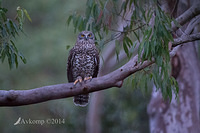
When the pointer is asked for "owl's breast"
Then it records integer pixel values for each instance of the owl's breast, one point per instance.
(83, 64)
(83, 59)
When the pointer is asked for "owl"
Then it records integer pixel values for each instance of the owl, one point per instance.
(83, 63)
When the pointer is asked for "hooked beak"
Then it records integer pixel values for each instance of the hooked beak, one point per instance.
(86, 38)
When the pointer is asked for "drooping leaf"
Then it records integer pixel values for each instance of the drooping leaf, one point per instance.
(69, 19)
(27, 15)
(126, 48)
(22, 57)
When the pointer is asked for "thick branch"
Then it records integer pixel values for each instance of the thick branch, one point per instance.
(187, 15)
(42, 94)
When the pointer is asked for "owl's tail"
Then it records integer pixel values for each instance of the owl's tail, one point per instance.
(81, 100)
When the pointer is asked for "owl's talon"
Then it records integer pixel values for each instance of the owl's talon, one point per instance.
(87, 78)
(79, 79)
(76, 81)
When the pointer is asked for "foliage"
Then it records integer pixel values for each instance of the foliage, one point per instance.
(149, 27)
(9, 31)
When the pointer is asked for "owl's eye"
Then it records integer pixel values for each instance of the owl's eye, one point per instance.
(82, 35)
(89, 35)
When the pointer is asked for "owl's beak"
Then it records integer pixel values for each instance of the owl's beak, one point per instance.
(86, 38)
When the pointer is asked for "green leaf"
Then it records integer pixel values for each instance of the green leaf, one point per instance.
(149, 15)
(2, 55)
(126, 48)
(4, 10)
(69, 19)
(16, 61)
(128, 41)
(27, 15)
(22, 57)
(13, 27)
(136, 36)
(94, 11)
(175, 84)
(167, 34)
(140, 49)
(15, 48)
(169, 92)
(3, 14)
(20, 17)
(149, 31)
(147, 51)
(12, 58)
(8, 27)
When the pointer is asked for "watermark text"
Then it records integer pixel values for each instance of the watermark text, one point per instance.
(50, 121)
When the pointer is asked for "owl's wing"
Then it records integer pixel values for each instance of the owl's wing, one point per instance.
(69, 66)
(96, 62)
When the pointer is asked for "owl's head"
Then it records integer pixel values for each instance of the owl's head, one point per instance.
(86, 36)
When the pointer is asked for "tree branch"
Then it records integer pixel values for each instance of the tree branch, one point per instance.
(42, 94)
(185, 39)
(187, 15)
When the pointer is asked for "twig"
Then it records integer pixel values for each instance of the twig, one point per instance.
(185, 39)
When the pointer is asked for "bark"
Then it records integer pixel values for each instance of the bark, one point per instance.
(182, 114)
(186, 38)
(93, 121)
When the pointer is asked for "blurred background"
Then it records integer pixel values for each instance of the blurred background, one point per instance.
(44, 45)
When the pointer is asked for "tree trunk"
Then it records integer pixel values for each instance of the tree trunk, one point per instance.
(182, 114)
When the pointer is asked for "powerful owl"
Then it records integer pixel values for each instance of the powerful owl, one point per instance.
(83, 63)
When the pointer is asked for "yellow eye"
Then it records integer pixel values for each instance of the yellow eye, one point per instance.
(82, 35)
(89, 35)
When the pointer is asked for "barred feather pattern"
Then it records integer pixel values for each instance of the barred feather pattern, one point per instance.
(81, 100)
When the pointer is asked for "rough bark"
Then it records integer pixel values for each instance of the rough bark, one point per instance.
(182, 114)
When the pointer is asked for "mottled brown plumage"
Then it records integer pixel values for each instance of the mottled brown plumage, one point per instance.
(83, 63)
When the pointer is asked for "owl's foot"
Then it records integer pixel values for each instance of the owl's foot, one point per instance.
(78, 79)
(87, 78)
